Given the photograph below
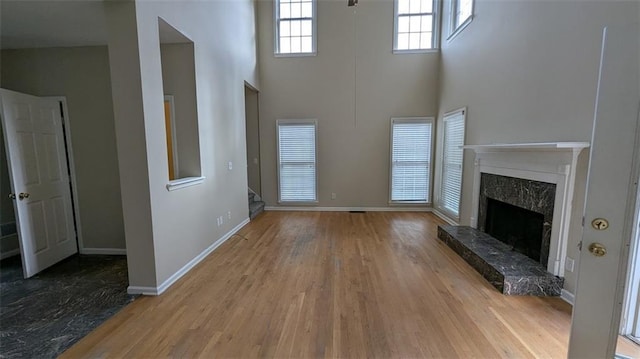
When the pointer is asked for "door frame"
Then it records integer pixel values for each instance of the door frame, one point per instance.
(249, 86)
(631, 304)
(66, 126)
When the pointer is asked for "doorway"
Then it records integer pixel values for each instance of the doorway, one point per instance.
(252, 122)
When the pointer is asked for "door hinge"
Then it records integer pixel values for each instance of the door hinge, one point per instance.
(580, 245)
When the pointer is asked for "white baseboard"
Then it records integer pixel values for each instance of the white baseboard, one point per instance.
(444, 217)
(187, 267)
(142, 290)
(567, 296)
(104, 251)
(10, 253)
(347, 209)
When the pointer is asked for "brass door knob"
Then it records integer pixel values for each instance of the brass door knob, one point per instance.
(23, 196)
(12, 196)
(597, 249)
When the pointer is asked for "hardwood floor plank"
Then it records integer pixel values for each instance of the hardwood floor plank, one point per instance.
(332, 284)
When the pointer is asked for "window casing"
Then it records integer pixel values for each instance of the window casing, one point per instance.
(297, 177)
(295, 27)
(411, 157)
(415, 26)
(461, 15)
(452, 162)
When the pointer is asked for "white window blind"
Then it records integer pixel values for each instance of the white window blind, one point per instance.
(410, 159)
(297, 161)
(452, 157)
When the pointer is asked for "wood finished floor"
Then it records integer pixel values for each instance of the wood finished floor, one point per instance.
(329, 284)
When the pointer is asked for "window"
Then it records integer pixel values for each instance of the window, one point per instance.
(414, 25)
(297, 160)
(452, 158)
(295, 22)
(411, 159)
(461, 14)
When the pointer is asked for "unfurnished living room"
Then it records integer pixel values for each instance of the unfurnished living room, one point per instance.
(320, 178)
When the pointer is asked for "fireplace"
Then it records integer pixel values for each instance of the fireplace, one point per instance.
(518, 212)
(538, 177)
(522, 215)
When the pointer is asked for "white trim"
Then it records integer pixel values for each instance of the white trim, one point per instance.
(10, 253)
(534, 146)
(104, 251)
(444, 217)
(184, 182)
(174, 138)
(72, 168)
(567, 296)
(347, 209)
(142, 290)
(187, 267)
(464, 25)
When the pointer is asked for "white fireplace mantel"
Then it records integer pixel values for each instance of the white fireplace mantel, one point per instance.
(529, 147)
(550, 162)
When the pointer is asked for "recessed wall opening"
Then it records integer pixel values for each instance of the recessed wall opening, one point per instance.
(516, 226)
(180, 103)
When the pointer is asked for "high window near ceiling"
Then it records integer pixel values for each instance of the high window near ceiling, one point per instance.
(461, 15)
(297, 161)
(452, 161)
(411, 149)
(414, 26)
(295, 27)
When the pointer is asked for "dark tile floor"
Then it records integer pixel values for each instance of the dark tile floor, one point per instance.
(42, 316)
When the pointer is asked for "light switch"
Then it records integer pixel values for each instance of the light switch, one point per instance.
(230, 165)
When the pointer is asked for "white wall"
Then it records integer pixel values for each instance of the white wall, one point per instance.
(82, 75)
(352, 87)
(166, 230)
(527, 71)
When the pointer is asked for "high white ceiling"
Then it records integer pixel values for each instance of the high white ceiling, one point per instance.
(52, 23)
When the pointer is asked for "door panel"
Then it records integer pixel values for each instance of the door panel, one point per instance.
(38, 168)
(611, 190)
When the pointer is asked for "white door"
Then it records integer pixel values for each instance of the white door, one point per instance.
(39, 175)
(611, 190)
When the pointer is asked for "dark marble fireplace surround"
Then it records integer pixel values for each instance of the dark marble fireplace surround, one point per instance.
(528, 194)
(510, 272)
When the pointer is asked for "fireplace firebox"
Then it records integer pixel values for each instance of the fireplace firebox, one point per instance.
(518, 227)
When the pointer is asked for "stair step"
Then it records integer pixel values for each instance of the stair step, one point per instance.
(255, 208)
(251, 197)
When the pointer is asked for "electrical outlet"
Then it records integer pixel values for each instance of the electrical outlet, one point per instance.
(229, 214)
(230, 165)
(569, 264)
(333, 196)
